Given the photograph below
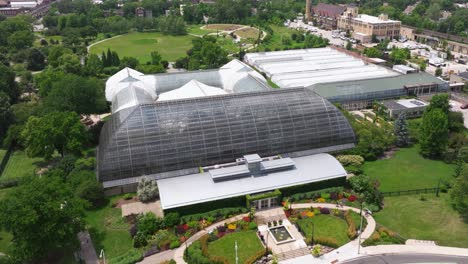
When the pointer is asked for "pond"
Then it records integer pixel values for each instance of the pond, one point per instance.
(281, 234)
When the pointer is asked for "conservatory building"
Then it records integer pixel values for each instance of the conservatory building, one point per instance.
(216, 134)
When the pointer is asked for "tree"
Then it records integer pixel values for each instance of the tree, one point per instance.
(8, 84)
(56, 131)
(433, 11)
(6, 117)
(401, 131)
(434, 133)
(439, 101)
(399, 56)
(87, 187)
(349, 46)
(438, 72)
(21, 40)
(46, 79)
(368, 188)
(147, 190)
(458, 193)
(44, 217)
(93, 65)
(69, 63)
(129, 62)
(35, 60)
(373, 52)
(77, 94)
(55, 53)
(155, 58)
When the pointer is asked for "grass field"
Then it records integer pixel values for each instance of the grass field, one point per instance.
(276, 41)
(433, 219)
(141, 44)
(246, 33)
(2, 154)
(108, 230)
(325, 226)
(197, 30)
(247, 242)
(20, 165)
(408, 170)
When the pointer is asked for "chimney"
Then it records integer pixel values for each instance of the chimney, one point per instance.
(307, 12)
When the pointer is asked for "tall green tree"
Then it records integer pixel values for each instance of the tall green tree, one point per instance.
(77, 94)
(401, 131)
(6, 116)
(8, 84)
(44, 217)
(439, 101)
(35, 60)
(93, 65)
(459, 194)
(434, 133)
(56, 131)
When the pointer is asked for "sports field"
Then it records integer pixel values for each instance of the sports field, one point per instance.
(141, 44)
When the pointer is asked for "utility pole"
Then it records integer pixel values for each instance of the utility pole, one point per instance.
(237, 258)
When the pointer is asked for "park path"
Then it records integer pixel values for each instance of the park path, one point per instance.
(87, 251)
(97, 42)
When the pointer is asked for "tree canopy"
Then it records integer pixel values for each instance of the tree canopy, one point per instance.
(56, 131)
(44, 216)
(434, 133)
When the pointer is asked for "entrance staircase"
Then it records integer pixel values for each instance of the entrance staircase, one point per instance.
(293, 254)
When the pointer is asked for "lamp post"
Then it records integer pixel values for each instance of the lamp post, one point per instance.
(360, 232)
(102, 255)
(237, 258)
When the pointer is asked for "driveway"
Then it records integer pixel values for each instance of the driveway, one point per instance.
(456, 108)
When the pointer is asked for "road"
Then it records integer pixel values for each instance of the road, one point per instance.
(408, 258)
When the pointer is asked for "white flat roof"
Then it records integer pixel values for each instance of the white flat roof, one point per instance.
(199, 188)
(373, 19)
(305, 67)
(411, 103)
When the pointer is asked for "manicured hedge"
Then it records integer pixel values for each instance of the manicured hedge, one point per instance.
(218, 213)
(314, 186)
(250, 198)
(208, 206)
(314, 194)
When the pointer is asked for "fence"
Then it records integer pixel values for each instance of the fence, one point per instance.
(414, 191)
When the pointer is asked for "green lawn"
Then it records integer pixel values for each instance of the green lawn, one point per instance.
(433, 219)
(141, 44)
(2, 154)
(325, 226)
(247, 242)
(276, 41)
(20, 165)
(109, 230)
(195, 29)
(408, 170)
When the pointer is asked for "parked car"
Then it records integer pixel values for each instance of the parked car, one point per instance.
(464, 106)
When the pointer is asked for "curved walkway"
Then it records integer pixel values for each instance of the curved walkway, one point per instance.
(178, 254)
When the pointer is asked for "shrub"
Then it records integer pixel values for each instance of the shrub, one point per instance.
(324, 211)
(133, 230)
(221, 229)
(252, 226)
(171, 219)
(320, 200)
(325, 196)
(148, 223)
(232, 226)
(174, 244)
(7, 183)
(346, 160)
(352, 198)
(351, 231)
(139, 240)
(316, 250)
(326, 241)
(147, 190)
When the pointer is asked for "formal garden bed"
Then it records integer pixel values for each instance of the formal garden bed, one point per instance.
(329, 227)
(383, 236)
(219, 245)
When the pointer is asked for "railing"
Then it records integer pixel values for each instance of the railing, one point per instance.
(414, 191)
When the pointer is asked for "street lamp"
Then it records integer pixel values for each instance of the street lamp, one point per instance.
(102, 256)
(360, 232)
(237, 258)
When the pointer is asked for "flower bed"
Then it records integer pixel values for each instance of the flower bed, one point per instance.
(330, 195)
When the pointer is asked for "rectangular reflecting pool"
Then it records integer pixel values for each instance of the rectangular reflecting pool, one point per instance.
(280, 234)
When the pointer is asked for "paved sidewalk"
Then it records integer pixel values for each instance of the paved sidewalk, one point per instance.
(158, 258)
(87, 252)
(420, 249)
